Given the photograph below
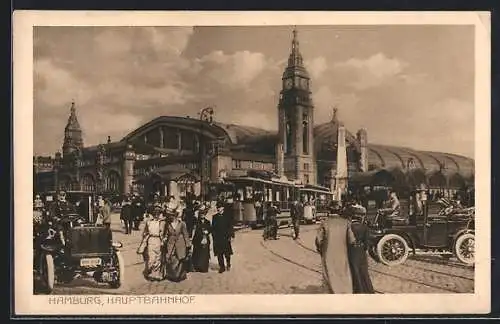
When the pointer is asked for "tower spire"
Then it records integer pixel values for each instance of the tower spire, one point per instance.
(295, 58)
(72, 132)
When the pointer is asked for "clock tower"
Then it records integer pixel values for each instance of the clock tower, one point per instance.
(296, 119)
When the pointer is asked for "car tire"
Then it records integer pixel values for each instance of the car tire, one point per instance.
(120, 264)
(48, 272)
(392, 250)
(464, 248)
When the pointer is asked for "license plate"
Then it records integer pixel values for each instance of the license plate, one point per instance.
(91, 262)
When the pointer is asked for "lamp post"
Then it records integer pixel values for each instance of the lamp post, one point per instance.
(206, 116)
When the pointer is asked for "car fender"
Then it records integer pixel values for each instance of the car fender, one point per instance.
(49, 247)
(461, 232)
(409, 239)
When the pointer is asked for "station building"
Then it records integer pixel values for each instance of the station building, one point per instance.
(176, 155)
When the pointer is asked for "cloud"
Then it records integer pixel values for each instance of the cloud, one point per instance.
(236, 70)
(316, 66)
(122, 77)
(372, 71)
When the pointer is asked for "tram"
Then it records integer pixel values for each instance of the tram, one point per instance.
(255, 191)
(316, 200)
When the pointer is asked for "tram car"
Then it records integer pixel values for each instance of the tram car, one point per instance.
(316, 200)
(254, 191)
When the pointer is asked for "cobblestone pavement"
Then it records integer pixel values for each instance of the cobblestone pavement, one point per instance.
(276, 267)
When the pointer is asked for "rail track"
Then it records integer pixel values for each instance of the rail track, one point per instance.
(401, 277)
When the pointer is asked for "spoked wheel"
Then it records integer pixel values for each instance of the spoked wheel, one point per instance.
(392, 250)
(119, 264)
(465, 248)
(47, 273)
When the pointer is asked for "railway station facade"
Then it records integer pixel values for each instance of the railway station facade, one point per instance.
(177, 155)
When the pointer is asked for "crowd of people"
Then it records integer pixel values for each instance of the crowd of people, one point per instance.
(178, 238)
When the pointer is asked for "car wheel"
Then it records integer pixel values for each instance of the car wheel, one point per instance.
(392, 250)
(465, 248)
(47, 272)
(120, 268)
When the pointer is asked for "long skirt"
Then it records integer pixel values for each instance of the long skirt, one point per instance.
(153, 259)
(358, 263)
(334, 259)
(201, 257)
(175, 269)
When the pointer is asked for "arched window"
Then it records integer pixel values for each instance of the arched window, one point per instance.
(113, 181)
(305, 133)
(88, 183)
(65, 183)
(288, 130)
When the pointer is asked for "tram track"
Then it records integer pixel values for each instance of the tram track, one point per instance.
(419, 282)
(296, 263)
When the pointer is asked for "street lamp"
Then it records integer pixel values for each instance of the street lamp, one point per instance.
(206, 115)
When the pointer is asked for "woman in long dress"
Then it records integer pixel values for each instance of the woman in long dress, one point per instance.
(331, 243)
(151, 244)
(177, 246)
(357, 247)
(201, 242)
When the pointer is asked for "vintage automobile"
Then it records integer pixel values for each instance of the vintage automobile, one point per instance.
(440, 229)
(72, 246)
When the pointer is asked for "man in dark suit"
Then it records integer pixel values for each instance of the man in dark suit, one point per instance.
(126, 215)
(296, 214)
(138, 210)
(222, 233)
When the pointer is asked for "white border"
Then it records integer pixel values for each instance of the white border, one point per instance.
(26, 303)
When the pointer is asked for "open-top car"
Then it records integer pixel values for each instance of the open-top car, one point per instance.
(440, 227)
(70, 245)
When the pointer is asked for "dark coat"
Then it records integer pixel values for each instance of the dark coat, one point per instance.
(296, 211)
(126, 212)
(138, 208)
(222, 232)
(202, 225)
(358, 261)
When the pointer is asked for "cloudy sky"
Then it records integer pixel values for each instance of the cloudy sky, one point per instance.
(408, 85)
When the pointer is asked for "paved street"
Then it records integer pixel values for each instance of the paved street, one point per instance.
(278, 267)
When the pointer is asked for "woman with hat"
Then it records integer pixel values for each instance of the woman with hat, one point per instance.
(177, 246)
(201, 242)
(150, 247)
(331, 243)
(357, 236)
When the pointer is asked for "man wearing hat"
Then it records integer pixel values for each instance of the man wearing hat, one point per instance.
(58, 211)
(222, 233)
(138, 209)
(61, 207)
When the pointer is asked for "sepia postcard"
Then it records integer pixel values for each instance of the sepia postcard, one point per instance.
(223, 163)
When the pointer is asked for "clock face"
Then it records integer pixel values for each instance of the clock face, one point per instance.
(303, 83)
(288, 83)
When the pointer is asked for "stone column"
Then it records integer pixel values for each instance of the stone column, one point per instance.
(280, 160)
(362, 138)
(128, 169)
(341, 174)
(162, 143)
